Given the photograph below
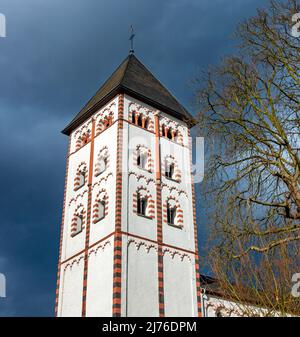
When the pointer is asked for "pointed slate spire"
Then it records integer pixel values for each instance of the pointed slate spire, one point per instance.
(133, 78)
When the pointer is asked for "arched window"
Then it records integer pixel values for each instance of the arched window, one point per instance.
(169, 134)
(171, 214)
(170, 170)
(140, 120)
(102, 164)
(107, 122)
(219, 313)
(142, 158)
(141, 205)
(146, 123)
(101, 210)
(85, 138)
(133, 117)
(81, 175)
(77, 224)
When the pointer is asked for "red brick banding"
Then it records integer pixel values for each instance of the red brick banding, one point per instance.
(198, 289)
(117, 261)
(62, 229)
(161, 300)
(88, 221)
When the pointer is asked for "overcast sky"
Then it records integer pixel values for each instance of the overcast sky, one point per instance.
(55, 56)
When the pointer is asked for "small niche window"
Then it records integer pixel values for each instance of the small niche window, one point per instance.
(142, 159)
(81, 178)
(85, 138)
(107, 122)
(171, 215)
(141, 205)
(79, 221)
(101, 208)
(102, 164)
(170, 170)
(219, 313)
(169, 134)
(133, 117)
(140, 120)
(146, 123)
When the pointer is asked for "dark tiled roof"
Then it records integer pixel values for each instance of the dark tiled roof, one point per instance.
(133, 78)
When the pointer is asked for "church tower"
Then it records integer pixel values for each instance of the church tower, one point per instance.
(128, 242)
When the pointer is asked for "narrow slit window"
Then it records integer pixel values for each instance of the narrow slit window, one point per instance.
(169, 134)
(81, 178)
(170, 169)
(79, 221)
(171, 215)
(140, 120)
(141, 205)
(101, 210)
(102, 164)
(133, 117)
(146, 123)
(142, 159)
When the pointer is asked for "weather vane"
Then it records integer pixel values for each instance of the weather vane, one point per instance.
(131, 40)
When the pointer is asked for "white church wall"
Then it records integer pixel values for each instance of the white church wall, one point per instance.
(216, 306)
(179, 284)
(142, 297)
(72, 245)
(71, 287)
(139, 178)
(100, 280)
(139, 259)
(135, 136)
(182, 193)
(106, 181)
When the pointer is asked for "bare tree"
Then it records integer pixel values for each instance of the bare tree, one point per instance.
(249, 112)
(257, 287)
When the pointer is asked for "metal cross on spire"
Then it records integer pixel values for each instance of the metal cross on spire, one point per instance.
(132, 35)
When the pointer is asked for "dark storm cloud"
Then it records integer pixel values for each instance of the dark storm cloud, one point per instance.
(54, 58)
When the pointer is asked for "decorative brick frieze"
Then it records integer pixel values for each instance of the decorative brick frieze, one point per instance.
(99, 247)
(175, 191)
(180, 254)
(139, 243)
(72, 262)
(141, 177)
(78, 197)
